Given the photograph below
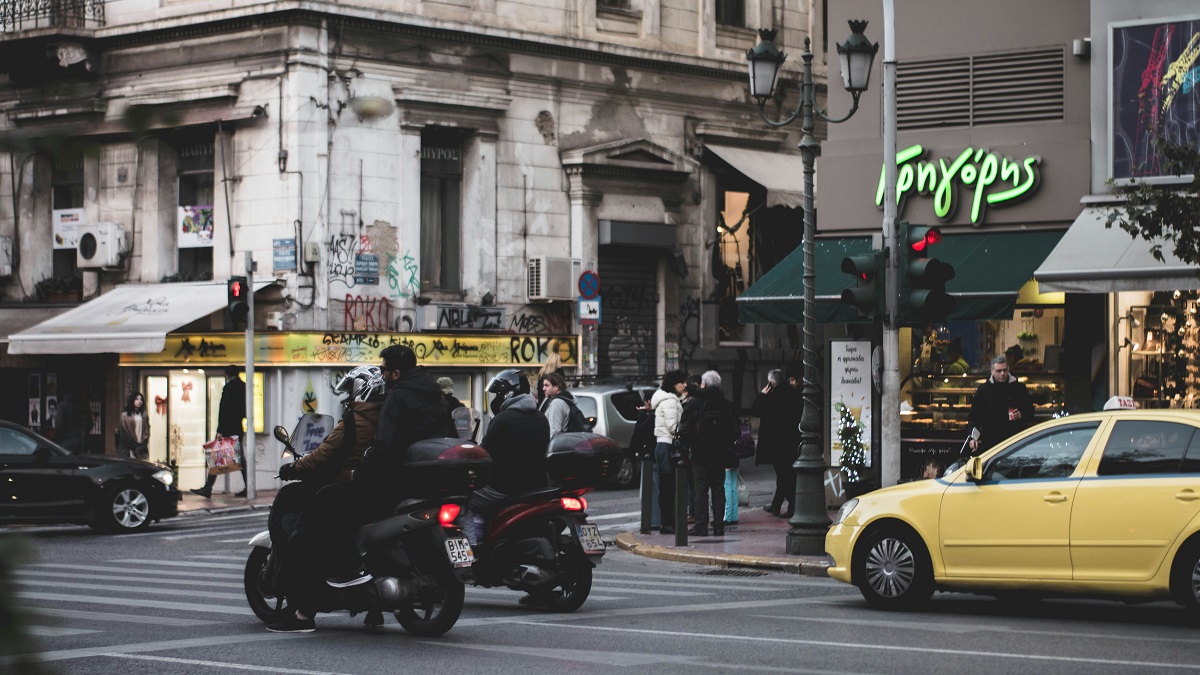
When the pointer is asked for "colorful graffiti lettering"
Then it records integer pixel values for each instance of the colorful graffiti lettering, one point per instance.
(366, 313)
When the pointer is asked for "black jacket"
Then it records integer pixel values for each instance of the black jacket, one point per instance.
(989, 411)
(779, 427)
(232, 409)
(517, 439)
(707, 451)
(413, 411)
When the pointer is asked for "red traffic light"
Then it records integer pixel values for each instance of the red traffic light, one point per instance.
(924, 237)
(235, 289)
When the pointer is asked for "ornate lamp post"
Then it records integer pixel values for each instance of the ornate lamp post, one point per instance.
(809, 521)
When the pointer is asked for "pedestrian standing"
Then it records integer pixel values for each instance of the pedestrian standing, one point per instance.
(231, 422)
(710, 433)
(452, 402)
(778, 407)
(133, 431)
(667, 412)
(553, 364)
(1001, 407)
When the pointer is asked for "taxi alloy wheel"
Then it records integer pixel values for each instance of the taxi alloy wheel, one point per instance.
(1185, 579)
(893, 570)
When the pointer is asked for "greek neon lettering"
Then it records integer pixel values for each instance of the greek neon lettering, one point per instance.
(978, 169)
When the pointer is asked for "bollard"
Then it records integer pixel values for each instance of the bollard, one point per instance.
(647, 493)
(681, 527)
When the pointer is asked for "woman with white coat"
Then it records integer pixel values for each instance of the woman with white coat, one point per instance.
(667, 412)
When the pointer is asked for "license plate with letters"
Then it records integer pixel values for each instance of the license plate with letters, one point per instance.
(459, 552)
(589, 538)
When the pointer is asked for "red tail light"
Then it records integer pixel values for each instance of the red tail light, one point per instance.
(448, 513)
(573, 503)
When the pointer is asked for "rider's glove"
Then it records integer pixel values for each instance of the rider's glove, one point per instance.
(289, 472)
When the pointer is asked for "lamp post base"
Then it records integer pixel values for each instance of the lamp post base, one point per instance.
(806, 541)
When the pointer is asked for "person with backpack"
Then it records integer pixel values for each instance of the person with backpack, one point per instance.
(667, 412)
(558, 405)
(709, 434)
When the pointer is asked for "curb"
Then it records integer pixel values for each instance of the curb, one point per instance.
(809, 566)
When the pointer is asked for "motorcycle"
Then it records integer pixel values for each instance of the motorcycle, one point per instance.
(418, 556)
(540, 542)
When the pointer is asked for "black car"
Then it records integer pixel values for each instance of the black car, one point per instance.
(41, 482)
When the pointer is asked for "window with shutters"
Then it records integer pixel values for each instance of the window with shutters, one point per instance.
(971, 91)
(441, 209)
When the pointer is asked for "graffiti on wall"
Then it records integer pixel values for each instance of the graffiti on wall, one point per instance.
(542, 320)
(403, 276)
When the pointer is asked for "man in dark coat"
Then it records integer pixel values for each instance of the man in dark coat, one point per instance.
(516, 439)
(779, 406)
(1001, 407)
(709, 456)
(231, 413)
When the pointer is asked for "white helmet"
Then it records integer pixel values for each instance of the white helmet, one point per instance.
(364, 383)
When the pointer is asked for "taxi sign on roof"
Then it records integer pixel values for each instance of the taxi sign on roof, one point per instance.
(1120, 403)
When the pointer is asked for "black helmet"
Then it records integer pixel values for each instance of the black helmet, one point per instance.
(505, 385)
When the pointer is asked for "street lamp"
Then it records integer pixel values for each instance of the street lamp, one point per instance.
(809, 521)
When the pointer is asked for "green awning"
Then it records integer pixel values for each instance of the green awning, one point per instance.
(989, 270)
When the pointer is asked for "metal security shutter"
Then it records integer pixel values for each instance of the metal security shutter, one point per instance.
(629, 313)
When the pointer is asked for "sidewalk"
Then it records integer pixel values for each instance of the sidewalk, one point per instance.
(759, 540)
(224, 502)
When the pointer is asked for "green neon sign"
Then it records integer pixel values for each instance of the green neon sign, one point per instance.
(992, 178)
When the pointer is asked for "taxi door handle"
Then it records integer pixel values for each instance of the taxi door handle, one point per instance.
(1187, 496)
(1055, 498)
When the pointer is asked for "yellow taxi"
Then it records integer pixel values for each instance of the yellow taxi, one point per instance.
(1099, 504)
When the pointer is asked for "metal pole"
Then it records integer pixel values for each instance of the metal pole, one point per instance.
(248, 447)
(809, 521)
(890, 399)
(647, 493)
(681, 483)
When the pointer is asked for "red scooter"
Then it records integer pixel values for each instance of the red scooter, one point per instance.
(540, 542)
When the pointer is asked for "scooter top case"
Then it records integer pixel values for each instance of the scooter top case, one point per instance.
(581, 459)
(445, 467)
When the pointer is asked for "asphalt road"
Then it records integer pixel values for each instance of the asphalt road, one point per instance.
(170, 601)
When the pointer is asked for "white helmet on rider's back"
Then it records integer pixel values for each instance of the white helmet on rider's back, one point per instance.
(364, 383)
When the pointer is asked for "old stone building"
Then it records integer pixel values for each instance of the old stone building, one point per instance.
(438, 173)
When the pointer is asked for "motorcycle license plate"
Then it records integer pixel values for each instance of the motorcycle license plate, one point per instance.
(589, 538)
(459, 551)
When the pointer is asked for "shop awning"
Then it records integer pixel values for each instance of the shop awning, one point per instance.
(17, 319)
(1092, 258)
(132, 318)
(989, 271)
(782, 175)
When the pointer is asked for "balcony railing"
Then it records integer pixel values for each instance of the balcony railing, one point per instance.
(22, 15)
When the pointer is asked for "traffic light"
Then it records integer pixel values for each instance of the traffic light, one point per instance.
(867, 294)
(238, 307)
(923, 297)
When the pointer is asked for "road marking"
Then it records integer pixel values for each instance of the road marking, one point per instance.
(187, 643)
(478, 591)
(641, 611)
(610, 516)
(120, 618)
(137, 602)
(140, 578)
(56, 631)
(956, 653)
(214, 533)
(125, 589)
(622, 658)
(127, 571)
(219, 664)
(236, 558)
(180, 563)
(780, 580)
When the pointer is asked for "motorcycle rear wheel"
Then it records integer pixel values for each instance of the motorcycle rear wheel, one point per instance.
(267, 607)
(434, 611)
(569, 595)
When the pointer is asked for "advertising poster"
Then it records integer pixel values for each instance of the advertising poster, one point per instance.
(850, 400)
(1154, 72)
(195, 226)
(64, 223)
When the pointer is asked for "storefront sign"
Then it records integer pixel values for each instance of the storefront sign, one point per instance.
(65, 225)
(350, 349)
(990, 179)
(850, 399)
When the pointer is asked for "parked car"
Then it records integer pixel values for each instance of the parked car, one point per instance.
(612, 411)
(1099, 504)
(41, 482)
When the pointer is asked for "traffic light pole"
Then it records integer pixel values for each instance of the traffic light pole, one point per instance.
(248, 454)
(890, 392)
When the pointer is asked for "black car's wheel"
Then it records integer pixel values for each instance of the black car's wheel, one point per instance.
(436, 607)
(627, 475)
(573, 588)
(892, 569)
(123, 509)
(266, 606)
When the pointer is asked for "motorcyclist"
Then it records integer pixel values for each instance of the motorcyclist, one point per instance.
(332, 462)
(516, 439)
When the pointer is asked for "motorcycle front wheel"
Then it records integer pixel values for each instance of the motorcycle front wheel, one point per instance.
(436, 608)
(576, 583)
(266, 606)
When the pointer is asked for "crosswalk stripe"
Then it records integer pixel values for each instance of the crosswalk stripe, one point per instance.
(111, 616)
(149, 568)
(610, 516)
(178, 563)
(56, 631)
(140, 578)
(213, 532)
(782, 581)
(207, 608)
(165, 590)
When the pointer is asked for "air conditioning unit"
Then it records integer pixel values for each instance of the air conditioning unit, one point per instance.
(100, 245)
(553, 278)
(6, 257)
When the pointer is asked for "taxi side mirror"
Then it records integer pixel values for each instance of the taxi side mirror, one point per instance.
(975, 469)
